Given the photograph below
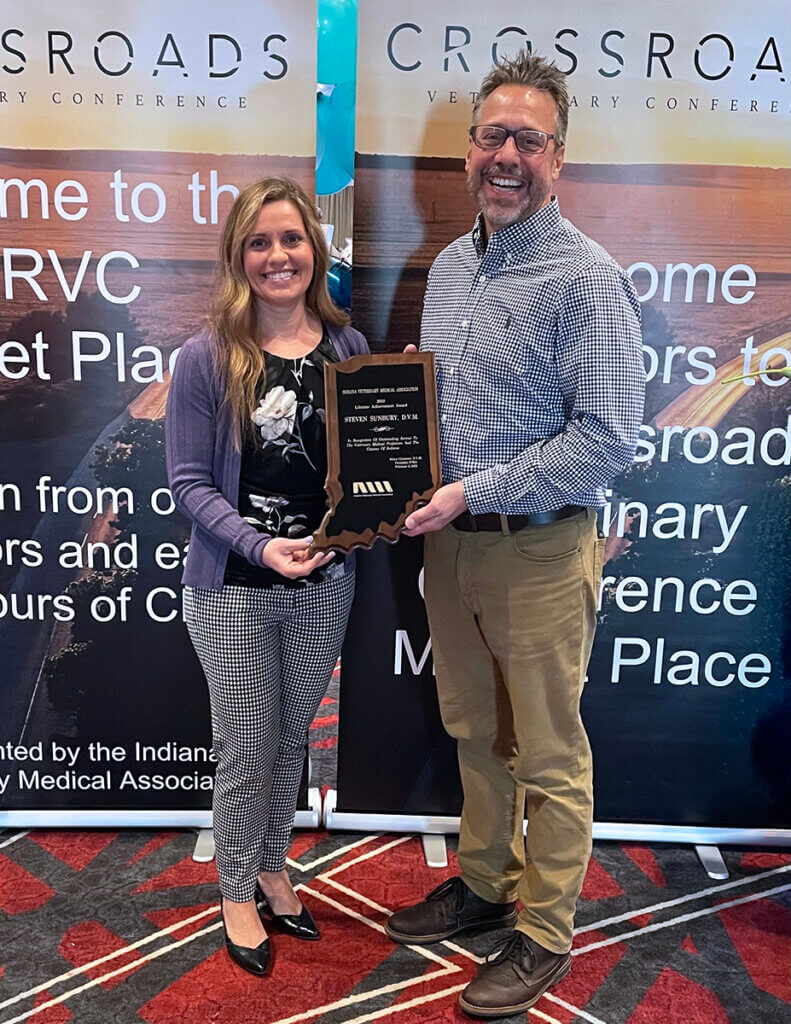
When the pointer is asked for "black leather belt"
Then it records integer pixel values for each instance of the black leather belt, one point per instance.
(491, 522)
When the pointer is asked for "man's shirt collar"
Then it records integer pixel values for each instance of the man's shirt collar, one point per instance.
(517, 237)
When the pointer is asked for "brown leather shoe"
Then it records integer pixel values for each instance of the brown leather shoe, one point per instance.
(449, 909)
(514, 979)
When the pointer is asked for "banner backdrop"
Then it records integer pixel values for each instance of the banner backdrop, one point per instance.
(677, 162)
(127, 134)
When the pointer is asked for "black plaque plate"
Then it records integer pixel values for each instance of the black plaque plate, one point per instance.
(382, 446)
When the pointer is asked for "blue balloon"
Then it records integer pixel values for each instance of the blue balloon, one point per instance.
(335, 139)
(337, 42)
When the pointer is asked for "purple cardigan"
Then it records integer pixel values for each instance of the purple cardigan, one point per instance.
(203, 464)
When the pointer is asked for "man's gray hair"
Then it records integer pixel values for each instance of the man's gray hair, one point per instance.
(527, 69)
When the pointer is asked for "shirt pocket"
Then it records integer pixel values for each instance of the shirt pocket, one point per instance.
(510, 369)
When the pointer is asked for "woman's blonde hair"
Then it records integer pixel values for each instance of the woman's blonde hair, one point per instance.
(233, 318)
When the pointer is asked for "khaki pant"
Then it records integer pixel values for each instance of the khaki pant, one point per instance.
(512, 620)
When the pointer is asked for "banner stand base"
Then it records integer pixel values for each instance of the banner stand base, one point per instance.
(306, 817)
(435, 850)
(436, 824)
(309, 817)
(365, 821)
(204, 846)
(711, 859)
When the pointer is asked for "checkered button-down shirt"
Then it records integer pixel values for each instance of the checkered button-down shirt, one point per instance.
(538, 353)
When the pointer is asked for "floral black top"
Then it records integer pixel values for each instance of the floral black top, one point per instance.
(284, 462)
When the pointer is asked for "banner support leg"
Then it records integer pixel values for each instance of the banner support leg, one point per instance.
(435, 850)
(204, 846)
(711, 859)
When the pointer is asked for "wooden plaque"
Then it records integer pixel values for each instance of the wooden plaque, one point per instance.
(382, 447)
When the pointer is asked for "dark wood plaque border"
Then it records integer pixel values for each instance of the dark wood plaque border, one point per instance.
(347, 540)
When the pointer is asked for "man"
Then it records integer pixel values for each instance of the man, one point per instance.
(536, 335)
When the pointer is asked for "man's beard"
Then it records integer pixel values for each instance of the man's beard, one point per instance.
(503, 217)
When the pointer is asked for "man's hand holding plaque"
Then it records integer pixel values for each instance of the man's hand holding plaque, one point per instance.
(382, 447)
(447, 503)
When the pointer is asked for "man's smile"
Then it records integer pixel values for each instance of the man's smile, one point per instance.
(504, 182)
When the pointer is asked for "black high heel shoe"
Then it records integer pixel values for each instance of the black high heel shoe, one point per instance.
(301, 926)
(256, 960)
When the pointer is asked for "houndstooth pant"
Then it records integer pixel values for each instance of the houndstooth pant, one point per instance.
(268, 656)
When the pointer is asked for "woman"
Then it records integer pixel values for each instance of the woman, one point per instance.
(247, 463)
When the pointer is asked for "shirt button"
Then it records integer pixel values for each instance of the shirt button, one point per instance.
(444, 418)
(465, 323)
(451, 370)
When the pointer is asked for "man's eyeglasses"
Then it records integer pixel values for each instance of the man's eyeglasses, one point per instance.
(491, 136)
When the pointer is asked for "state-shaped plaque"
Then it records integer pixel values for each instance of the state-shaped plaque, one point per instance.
(382, 447)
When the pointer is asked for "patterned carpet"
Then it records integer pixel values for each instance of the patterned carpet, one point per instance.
(123, 926)
(100, 926)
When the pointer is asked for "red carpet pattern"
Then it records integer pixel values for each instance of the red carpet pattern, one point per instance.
(124, 926)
